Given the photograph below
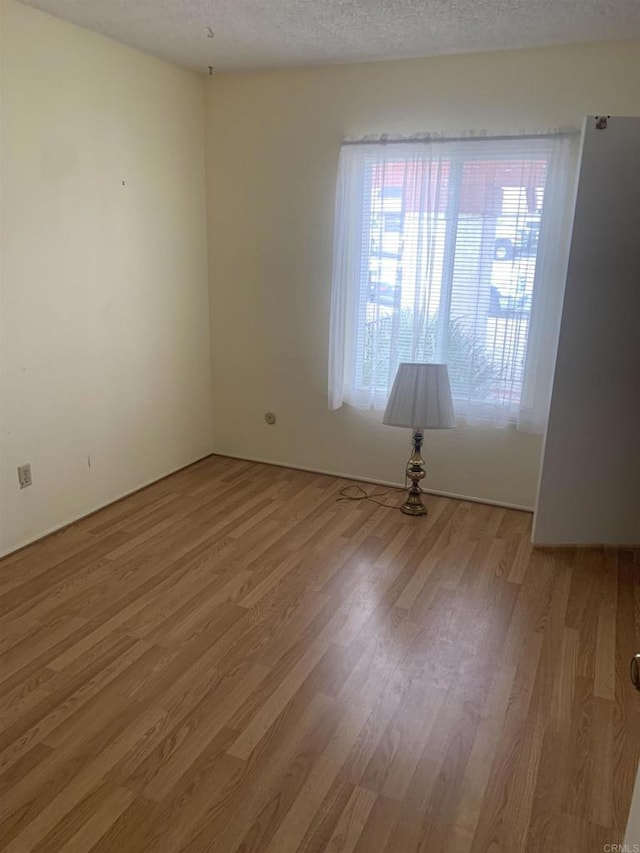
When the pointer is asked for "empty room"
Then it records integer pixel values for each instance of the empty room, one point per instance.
(319, 426)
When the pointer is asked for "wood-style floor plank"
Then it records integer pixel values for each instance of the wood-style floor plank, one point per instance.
(235, 660)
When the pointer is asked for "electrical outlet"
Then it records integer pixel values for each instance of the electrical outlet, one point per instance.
(24, 475)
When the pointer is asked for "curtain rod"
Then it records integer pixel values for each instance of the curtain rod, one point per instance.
(410, 140)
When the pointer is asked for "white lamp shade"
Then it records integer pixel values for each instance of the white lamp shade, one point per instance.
(421, 398)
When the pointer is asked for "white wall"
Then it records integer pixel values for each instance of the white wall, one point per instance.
(105, 348)
(104, 313)
(632, 835)
(590, 479)
(273, 144)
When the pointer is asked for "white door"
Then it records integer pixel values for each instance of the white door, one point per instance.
(589, 491)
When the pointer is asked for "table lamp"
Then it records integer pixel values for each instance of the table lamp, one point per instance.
(420, 399)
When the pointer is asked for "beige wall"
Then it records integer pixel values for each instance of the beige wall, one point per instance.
(273, 143)
(104, 313)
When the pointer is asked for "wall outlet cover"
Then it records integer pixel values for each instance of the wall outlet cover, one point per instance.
(24, 476)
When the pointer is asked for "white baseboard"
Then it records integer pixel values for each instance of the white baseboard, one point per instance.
(340, 474)
(86, 513)
(391, 485)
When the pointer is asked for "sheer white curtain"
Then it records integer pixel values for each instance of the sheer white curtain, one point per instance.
(455, 251)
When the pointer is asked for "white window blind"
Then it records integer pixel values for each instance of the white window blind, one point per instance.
(451, 251)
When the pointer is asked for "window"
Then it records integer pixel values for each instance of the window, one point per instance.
(450, 251)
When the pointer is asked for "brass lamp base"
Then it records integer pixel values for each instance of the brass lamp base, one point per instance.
(415, 472)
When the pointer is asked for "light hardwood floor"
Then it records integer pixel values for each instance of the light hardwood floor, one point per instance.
(232, 660)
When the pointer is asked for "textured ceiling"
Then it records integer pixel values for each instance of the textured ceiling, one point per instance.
(269, 33)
